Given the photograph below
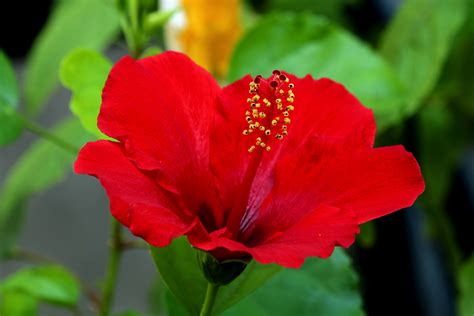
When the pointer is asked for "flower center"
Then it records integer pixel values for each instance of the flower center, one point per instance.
(270, 104)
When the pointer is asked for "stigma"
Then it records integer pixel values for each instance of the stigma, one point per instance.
(268, 115)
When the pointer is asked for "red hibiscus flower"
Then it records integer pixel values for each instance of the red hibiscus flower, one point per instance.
(277, 169)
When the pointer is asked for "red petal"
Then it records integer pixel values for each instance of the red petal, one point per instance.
(323, 109)
(370, 183)
(315, 235)
(161, 108)
(135, 198)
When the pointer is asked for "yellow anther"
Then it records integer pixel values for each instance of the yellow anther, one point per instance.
(285, 132)
(257, 124)
(262, 115)
(253, 105)
(279, 136)
(248, 119)
(290, 107)
(278, 100)
(262, 128)
(262, 144)
(290, 99)
(287, 120)
(284, 127)
(282, 91)
(256, 97)
(252, 126)
(291, 86)
(247, 113)
(268, 148)
(257, 105)
(286, 113)
(251, 149)
(268, 132)
(274, 122)
(245, 132)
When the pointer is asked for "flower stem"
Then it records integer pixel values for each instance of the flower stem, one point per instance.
(44, 133)
(211, 294)
(115, 252)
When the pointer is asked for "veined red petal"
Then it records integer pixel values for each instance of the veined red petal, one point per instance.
(324, 109)
(161, 108)
(314, 235)
(369, 183)
(135, 198)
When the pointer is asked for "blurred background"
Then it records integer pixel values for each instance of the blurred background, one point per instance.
(409, 60)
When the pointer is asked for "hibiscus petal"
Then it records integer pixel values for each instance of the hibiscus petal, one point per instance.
(323, 109)
(371, 183)
(135, 198)
(161, 108)
(315, 235)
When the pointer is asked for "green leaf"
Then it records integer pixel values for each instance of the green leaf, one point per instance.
(306, 44)
(334, 9)
(466, 288)
(50, 283)
(49, 164)
(179, 269)
(73, 23)
(84, 72)
(418, 47)
(10, 122)
(326, 287)
(17, 303)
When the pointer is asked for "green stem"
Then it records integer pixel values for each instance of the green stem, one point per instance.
(115, 252)
(44, 133)
(211, 294)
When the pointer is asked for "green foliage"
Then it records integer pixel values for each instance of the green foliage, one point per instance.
(84, 72)
(51, 283)
(418, 47)
(41, 166)
(333, 9)
(74, 23)
(303, 43)
(326, 287)
(10, 122)
(322, 287)
(18, 303)
(443, 136)
(178, 267)
(466, 288)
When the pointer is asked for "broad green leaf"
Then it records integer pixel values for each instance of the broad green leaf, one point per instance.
(333, 9)
(326, 287)
(84, 72)
(18, 303)
(41, 166)
(10, 122)
(418, 41)
(306, 44)
(179, 269)
(52, 284)
(73, 23)
(466, 288)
